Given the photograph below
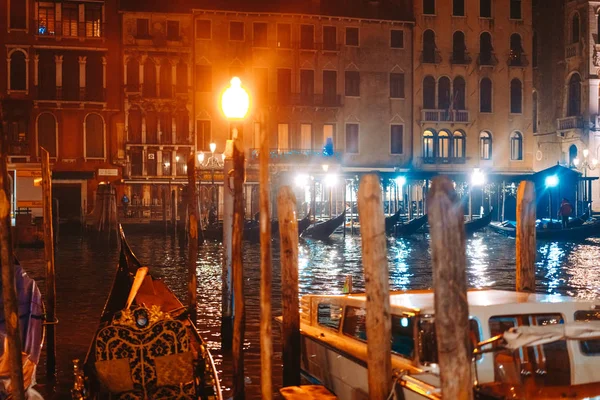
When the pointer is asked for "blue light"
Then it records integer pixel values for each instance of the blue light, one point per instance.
(552, 181)
(404, 322)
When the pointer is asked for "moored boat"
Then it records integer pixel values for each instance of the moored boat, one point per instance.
(334, 347)
(478, 223)
(145, 346)
(322, 230)
(552, 232)
(410, 227)
(391, 221)
(252, 233)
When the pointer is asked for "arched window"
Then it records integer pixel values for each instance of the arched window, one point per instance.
(428, 46)
(94, 136)
(458, 93)
(183, 127)
(485, 48)
(18, 71)
(535, 112)
(485, 146)
(134, 128)
(516, 96)
(458, 48)
(166, 127)
(133, 75)
(516, 146)
(428, 144)
(574, 104)
(443, 148)
(149, 78)
(429, 93)
(572, 154)
(444, 93)
(166, 81)
(485, 95)
(516, 50)
(46, 131)
(182, 77)
(534, 50)
(575, 29)
(458, 144)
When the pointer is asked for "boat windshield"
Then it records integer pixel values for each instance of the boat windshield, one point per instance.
(428, 353)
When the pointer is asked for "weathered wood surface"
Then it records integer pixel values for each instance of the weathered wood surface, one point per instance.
(290, 329)
(50, 267)
(193, 217)
(227, 270)
(307, 392)
(446, 227)
(266, 271)
(9, 292)
(375, 265)
(526, 246)
(239, 320)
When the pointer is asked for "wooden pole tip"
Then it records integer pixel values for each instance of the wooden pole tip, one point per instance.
(526, 191)
(286, 194)
(442, 184)
(369, 186)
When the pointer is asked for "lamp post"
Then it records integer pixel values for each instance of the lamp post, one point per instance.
(477, 179)
(551, 181)
(585, 165)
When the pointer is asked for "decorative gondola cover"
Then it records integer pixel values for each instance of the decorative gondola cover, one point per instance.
(145, 354)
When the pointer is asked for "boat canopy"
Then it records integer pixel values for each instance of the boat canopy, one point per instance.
(524, 336)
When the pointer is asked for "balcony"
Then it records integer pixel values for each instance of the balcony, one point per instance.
(568, 123)
(296, 156)
(487, 60)
(65, 29)
(572, 50)
(461, 116)
(460, 58)
(307, 100)
(444, 160)
(431, 57)
(18, 148)
(517, 59)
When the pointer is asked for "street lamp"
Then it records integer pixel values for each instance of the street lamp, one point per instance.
(477, 179)
(551, 181)
(235, 101)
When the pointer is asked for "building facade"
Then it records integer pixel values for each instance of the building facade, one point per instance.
(57, 94)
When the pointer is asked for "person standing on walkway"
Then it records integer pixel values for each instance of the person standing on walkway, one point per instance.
(565, 211)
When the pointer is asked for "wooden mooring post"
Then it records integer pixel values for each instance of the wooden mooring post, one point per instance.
(374, 259)
(446, 227)
(526, 246)
(50, 271)
(9, 292)
(266, 271)
(193, 216)
(290, 330)
(239, 307)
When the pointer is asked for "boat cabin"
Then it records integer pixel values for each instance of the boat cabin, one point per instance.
(335, 352)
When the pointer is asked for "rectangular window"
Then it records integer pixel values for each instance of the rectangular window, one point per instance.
(236, 30)
(397, 85)
(203, 29)
(428, 352)
(352, 83)
(329, 86)
(256, 137)
(307, 85)
(307, 37)
(261, 82)
(70, 19)
(328, 134)
(284, 36)
(305, 137)
(485, 8)
(143, 28)
(284, 84)
(403, 339)
(329, 315)
(93, 20)
(173, 31)
(46, 19)
(589, 347)
(458, 8)
(429, 7)
(352, 37)
(203, 78)
(397, 138)
(515, 9)
(355, 323)
(397, 39)
(260, 34)
(352, 138)
(329, 38)
(283, 138)
(203, 135)
(18, 14)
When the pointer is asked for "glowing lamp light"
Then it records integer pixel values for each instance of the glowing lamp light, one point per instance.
(223, 157)
(177, 158)
(325, 167)
(201, 157)
(213, 147)
(400, 181)
(477, 177)
(551, 181)
(330, 180)
(594, 162)
(576, 162)
(167, 164)
(301, 180)
(235, 101)
(586, 153)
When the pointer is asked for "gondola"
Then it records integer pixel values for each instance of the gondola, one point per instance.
(322, 230)
(391, 221)
(478, 223)
(410, 227)
(574, 234)
(252, 233)
(578, 221)
(145, 346)
(31, 314)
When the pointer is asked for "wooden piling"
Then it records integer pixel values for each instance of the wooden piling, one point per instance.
(375, 265)
(49, 258)
(266, 272)
(290, 329)
(9, 292)
(193, 216)
(239, 319)
(446, 227)
(526, 246)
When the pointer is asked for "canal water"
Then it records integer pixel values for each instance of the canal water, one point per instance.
(85, 269)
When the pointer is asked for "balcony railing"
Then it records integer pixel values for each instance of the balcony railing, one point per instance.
(296, 156)
(66, 29)
(445, 116)
(431, 57)
(487, 59)
(444, 160)
(564, 124)
(302, 99)
(18, 148)
(572, 50)
(517, 59)
(460, 58)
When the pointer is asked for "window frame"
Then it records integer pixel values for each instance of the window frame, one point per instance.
(581, 342)
(510, 3)
(355, 76)
(91, 9)
(177, 37)
(392, 30)
(207, 69)
(254, 42)
(196, 31)
(313, 43)
(488, 140)
(357, 137)
(10, 53)
(434, 8)
(37, 133)
(340, 320)
(433, 146)
(335, 44)
(510, 98)
(68, 10)
(10, 28)
(85, 155)
(48, 7)
(401, 142)
(403, 97)
(491, 110)
(464, 11)
(348, 28)
(277, 34)
(243, 31)
(516, 136)
(491, 16)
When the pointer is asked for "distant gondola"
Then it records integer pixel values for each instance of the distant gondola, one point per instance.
(410, 227)
(574, 234)
(252, 233)
(145, 346)
(478, 223)
(322, 230)
(391, 221)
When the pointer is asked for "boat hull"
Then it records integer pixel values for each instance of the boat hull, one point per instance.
(578, 233)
